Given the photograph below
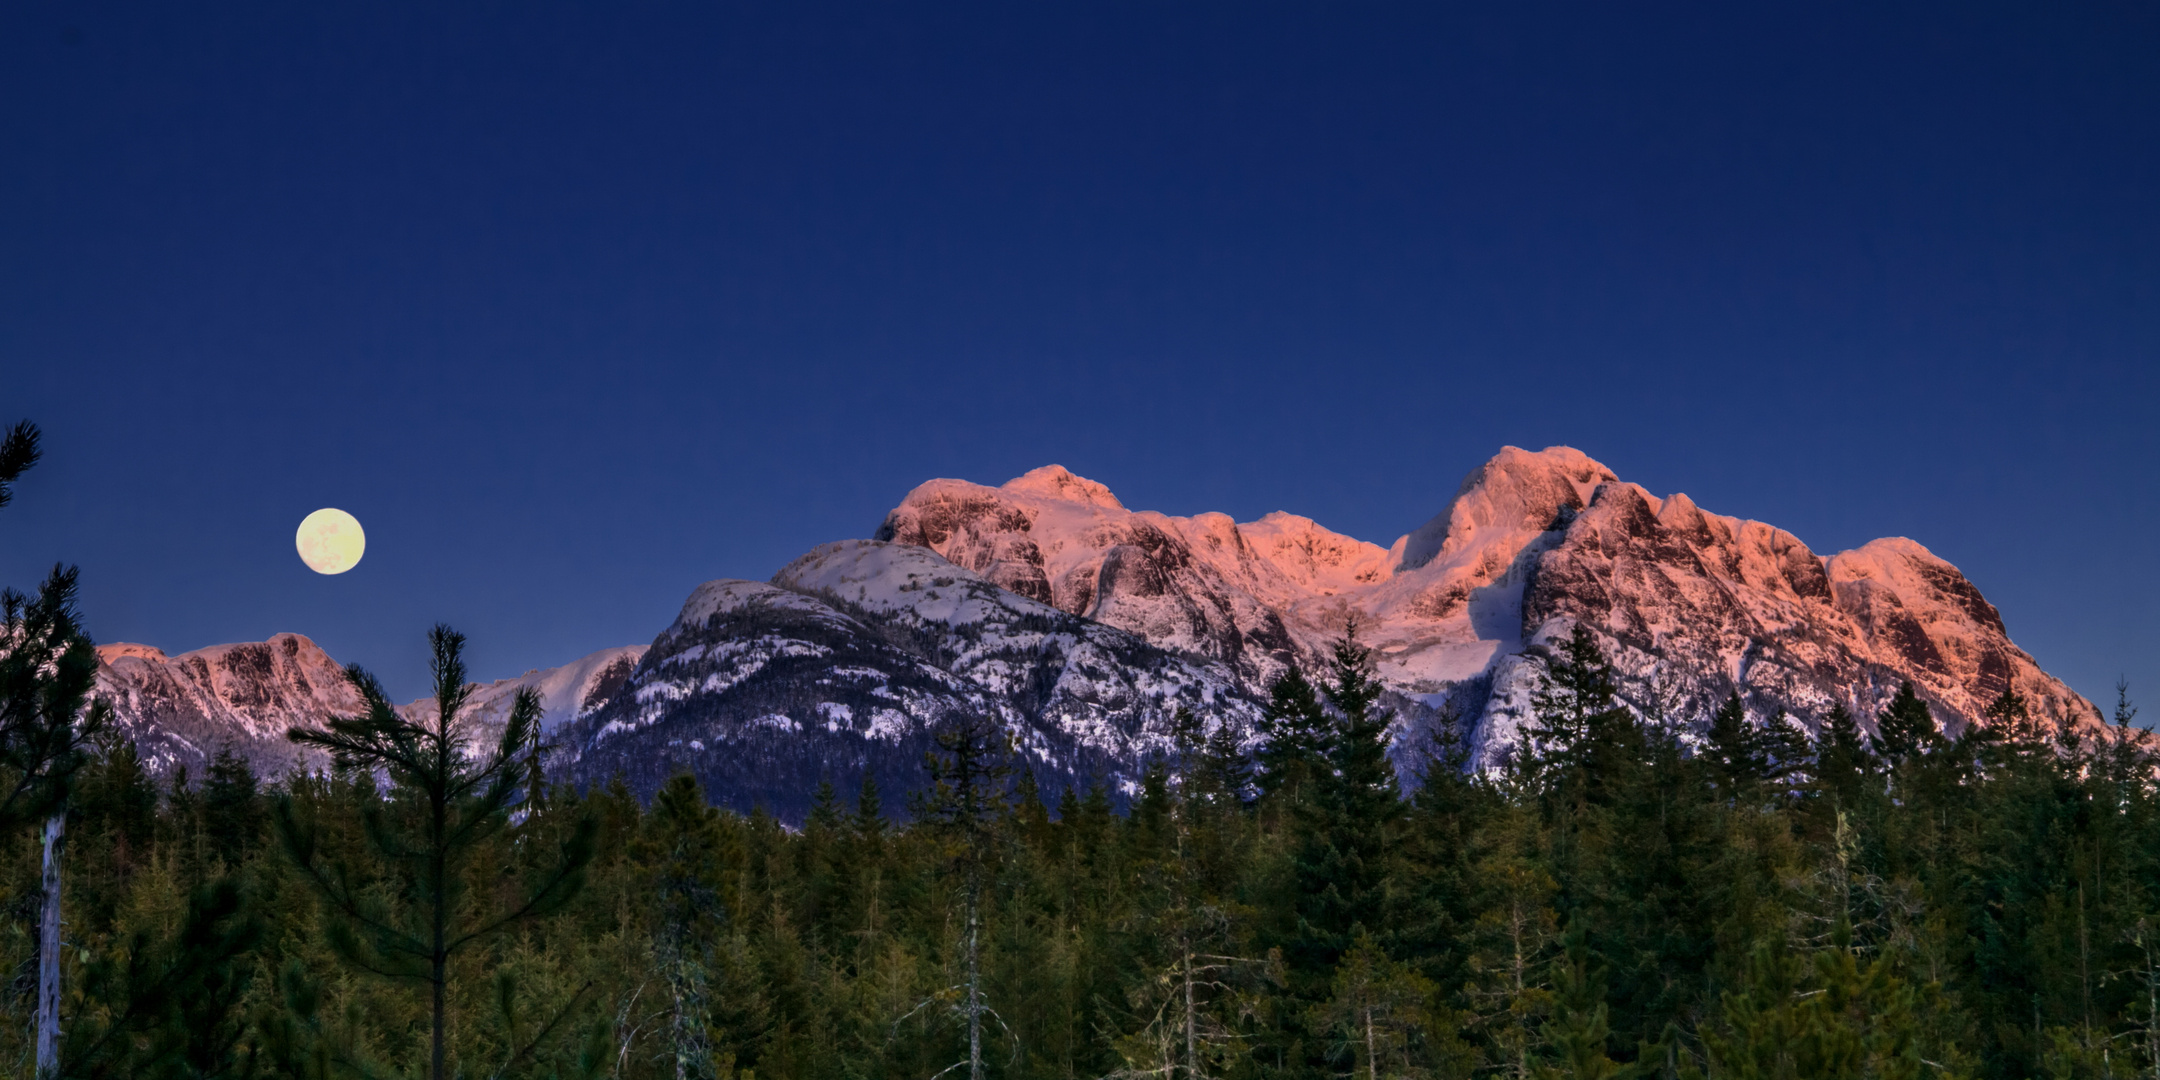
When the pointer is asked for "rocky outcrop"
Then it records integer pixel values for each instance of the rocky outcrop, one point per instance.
(1251, 596)
(181, 710)
(1691, 606)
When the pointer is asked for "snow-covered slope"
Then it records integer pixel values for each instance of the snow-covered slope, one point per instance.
(851, 659)
(1463, 607)
(565, 691)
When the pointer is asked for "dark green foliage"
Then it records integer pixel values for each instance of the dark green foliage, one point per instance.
(232, 807)
(1345, 827)
(1295, 728)
(1737, 905)
(18, 452)
(159, 1006)
(1742, 756)
(443, 809)
(1905, 729)
(47, 720)
(1583, 736)
(1842, 759)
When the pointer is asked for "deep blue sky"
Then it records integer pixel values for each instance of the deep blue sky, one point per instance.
(576, 307)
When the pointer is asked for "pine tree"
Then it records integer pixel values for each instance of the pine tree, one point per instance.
(47, 720)
(1905, 729)
(1579, 1032)
(1582, 736)
(1842, 760)
(967, 801)
(1381, 1014)
(1731, 749)
(1342, 858)
(1295, 730)
(1226, 773)
(1742, 756)
(444, 809)
(232, 807)
(18, 452)
(682, 836)
(2013, 722)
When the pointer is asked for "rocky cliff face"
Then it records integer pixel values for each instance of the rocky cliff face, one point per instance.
(1693, 606)
(1690, 605)
(1252, 596)
(181, 710)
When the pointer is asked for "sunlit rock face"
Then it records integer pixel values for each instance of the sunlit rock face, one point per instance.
(1252, 596)
(1690, 605)
(854, 655)
(181, 710)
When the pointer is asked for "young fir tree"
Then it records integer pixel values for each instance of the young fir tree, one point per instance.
(1742, 756)
(2014, 724)
(1905, 729)
(1842, 764)
(232, 807)
(965, 807)
(1346, 824)
(1582, 736)
(1294, 747)
(446, 806)
(1225, 772)
(682, 839)
(1579, 1032)
(1731, 751)
(1342, 844)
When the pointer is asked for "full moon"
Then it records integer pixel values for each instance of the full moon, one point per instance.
(330, 541)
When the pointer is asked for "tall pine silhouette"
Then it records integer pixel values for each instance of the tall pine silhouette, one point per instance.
(445, 805)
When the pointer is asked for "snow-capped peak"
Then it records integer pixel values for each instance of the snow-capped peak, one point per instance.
(1058, 482)
(1516, 491)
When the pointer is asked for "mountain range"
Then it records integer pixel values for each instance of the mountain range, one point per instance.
(1083, 627)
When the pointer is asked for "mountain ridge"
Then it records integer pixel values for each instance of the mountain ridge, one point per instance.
(1083, 625)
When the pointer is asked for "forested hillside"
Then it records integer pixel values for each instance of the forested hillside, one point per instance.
(1661, 896)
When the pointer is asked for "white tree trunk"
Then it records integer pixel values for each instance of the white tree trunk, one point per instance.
(974, 992)
(48, 1001)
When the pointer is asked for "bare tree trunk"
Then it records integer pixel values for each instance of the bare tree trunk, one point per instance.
(48, 1003)
(2152, 1007)
(1192, 1051)
(1372, 1063)
(974, 990)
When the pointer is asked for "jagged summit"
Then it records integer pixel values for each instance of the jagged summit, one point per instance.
(1516, 491)
(1461, 608)
(182, 710)
(1058, 482)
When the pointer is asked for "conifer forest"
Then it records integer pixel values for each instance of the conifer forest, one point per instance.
(1629, 896)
